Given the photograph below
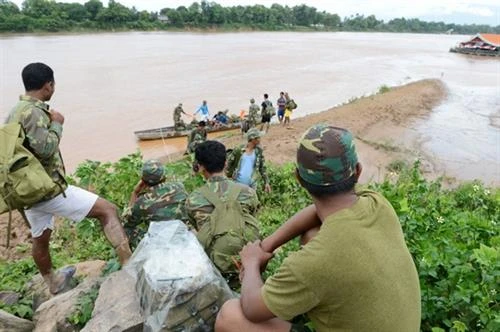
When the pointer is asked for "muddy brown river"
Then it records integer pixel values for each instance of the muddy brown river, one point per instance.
(110, 84)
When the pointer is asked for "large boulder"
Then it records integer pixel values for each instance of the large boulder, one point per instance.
(52, 315)
(117, 306)
(12, 323)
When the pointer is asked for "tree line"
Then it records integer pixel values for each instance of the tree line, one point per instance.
(51, 16)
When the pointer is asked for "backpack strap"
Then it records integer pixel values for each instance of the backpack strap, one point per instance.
(212, 197)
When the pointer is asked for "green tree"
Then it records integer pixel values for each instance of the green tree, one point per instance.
(39, 8)
(8, 8)
(115, 14)
(93, 7)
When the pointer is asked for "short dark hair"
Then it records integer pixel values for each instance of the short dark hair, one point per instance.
(211, 155)
(266, 95)
(202, 123)
(35, 75)
(333, 189)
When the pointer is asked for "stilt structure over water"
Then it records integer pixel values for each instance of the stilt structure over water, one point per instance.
(486, 44)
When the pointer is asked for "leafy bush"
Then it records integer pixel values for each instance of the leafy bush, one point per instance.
(454, 239)
(383, 89)
(452, 234)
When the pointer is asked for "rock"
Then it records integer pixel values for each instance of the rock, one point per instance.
(40, 292)
(12, 323)
(52, 315)
(9, 298)
(91, 269)
(117, 306)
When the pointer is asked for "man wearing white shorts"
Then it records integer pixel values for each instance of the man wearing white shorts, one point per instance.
(43, 128)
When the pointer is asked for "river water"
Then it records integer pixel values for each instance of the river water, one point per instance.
(111, 84)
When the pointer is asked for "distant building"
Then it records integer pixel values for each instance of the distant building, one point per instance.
(163, 18)
(480, 44)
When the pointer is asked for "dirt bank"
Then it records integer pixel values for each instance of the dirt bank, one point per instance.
(381, 123)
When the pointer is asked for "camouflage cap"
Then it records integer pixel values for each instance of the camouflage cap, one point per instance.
(253, 133)
(252, 100)
(152, 171)
(326, 155)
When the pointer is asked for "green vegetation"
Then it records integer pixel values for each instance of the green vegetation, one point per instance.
(47, 15)
(383, 89)
(453, 235)
(84, 307)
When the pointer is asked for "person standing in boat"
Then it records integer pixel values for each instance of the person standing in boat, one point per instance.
(178, 122)
(203, 110)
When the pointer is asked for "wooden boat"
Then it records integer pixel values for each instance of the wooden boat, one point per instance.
(170, 132)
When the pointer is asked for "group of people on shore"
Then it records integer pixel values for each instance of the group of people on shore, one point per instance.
(256, 115)
(285, 104)
(353, 272)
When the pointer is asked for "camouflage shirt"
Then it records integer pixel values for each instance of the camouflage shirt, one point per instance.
(177, 113)
(196, 137)
(199, 208)
(43, 135)
(164, 201)
(234, 163)
(253, 114)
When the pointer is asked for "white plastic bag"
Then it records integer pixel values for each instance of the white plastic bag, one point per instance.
(178, 286)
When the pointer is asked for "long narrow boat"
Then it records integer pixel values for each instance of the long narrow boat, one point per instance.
(170, 132)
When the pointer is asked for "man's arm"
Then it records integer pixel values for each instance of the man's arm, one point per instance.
(232, 161)
(43, 141)
(262, 168)
(252, 303)
(298, 224)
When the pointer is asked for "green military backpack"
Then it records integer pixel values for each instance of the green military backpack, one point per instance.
(23, 180)
(228, 229)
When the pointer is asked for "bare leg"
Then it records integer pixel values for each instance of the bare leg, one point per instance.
(40, 252)
(112, 227)
(56, 281)
(231, 318)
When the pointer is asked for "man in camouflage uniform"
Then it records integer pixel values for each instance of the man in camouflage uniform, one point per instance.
(197, 136)
(246, 162)
(354, 271)
(43, 127)
(178, 122)
(153, 199)
(253, 114)
(210, 157)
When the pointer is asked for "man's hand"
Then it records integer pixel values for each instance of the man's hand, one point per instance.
(267, 188)
(140, 186)
(55, 116)
(253, 255)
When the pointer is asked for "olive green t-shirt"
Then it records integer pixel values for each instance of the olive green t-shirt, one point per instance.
(356, 274)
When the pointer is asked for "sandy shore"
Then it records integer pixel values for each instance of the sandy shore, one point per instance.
(380, 123)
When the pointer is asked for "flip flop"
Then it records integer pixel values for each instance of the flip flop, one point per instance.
(65, 285)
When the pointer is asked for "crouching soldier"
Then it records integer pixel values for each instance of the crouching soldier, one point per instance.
(222, 210)
(153, 199)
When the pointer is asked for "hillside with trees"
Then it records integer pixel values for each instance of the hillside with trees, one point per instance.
(52, 16)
